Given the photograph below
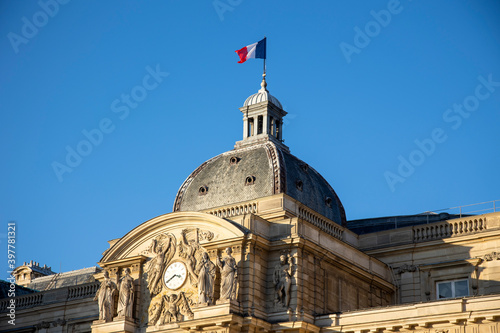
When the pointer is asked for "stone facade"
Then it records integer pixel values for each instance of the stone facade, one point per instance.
(272, 252)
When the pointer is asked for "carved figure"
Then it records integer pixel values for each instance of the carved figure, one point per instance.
(105, 298)
(126, 295)
(171, 309)
(155, 310)
(164, 249)
(282, 278)
(206, 277)
(188, 250)
(184, 306)
(229, 276)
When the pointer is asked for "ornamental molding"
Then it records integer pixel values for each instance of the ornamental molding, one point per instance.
(406, 268)
(491, 256)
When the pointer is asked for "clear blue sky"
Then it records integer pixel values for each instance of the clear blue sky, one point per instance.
(370, 87)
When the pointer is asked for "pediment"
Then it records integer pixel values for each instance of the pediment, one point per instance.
(210, 229)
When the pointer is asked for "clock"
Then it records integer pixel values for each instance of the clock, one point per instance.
(175, 275)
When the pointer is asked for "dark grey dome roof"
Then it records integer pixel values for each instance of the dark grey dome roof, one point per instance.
(223, 180)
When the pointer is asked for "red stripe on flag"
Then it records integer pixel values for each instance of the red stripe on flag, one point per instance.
(242, 53)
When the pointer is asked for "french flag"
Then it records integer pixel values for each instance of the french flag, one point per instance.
(255, 50)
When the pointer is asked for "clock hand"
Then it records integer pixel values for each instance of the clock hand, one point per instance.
(171, 278)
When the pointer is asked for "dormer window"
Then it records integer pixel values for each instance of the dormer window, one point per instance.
(203, 190)
(234, 160)
(299, 185)
(250, 180)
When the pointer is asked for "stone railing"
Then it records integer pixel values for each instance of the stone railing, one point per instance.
(235, 210)
(450, 228)
(315, 219)
(82, 291)
(51, 296)
(430, 232)
(22, 302)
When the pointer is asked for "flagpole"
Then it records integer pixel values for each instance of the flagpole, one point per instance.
(265, 56)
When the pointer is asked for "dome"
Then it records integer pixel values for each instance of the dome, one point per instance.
(254, 172)
(262, 95)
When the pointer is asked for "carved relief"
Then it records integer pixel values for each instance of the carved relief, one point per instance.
(492, 256)
(126, 295)
(229, 276)
(441, 331)
(205, 235)
(189, 250)
(169, 308)
(187, 272)
(282, 279)
(155, 310)
(105, 298)
(406, 268)
(163, 248)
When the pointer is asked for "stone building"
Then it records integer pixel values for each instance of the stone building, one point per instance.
(258, 241)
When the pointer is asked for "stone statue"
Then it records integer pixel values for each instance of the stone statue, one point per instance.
(282, 279)
(229, 276)
(126, 295)
(206, 277)
(105, 298)
(164, 249)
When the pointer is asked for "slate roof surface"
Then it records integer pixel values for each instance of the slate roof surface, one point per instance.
(275, 171)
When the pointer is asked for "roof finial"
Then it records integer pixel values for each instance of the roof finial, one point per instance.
(263, 84)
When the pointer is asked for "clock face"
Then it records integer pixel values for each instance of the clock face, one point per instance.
(175, 275)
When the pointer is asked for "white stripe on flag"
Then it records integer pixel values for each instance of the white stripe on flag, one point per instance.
(251, 50)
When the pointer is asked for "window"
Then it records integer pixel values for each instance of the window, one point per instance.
(451, 289)
(250, 180)
(299, 185)
(203, 190)
(250, 127)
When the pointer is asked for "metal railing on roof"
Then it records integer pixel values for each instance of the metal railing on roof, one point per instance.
(478, 209)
